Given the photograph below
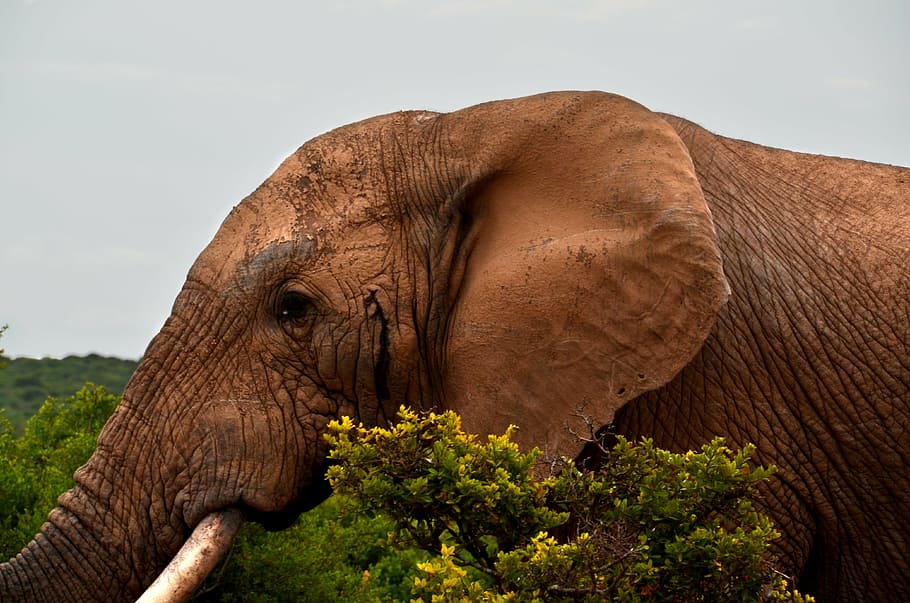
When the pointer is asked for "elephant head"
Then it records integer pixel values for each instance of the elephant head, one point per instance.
(536, 262)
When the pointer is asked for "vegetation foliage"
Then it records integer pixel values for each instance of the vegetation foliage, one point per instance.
(36, 467)
(429, 513)
(647, 525)
(26, 382)
(326, 556)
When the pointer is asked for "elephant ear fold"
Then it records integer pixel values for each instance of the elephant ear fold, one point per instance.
(589, 269)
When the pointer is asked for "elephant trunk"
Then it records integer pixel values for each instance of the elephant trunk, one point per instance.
(93, 548)
(54, 567)
(64, 562)
(113, 531)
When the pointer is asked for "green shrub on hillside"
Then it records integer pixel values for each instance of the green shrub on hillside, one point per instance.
(650, 526)
(647, 526)
(39, 465)
(323, 557)
(326, 556)
(26, 382)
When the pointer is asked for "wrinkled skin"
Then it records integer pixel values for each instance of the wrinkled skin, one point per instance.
(523, 262)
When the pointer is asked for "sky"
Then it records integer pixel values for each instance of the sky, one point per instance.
(129, 129)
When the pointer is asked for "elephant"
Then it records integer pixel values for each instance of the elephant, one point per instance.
(556, 261)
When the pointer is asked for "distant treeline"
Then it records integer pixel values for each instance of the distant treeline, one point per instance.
(26, 382)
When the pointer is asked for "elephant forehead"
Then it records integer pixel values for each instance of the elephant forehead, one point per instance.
(261, 242)
(251, 231)
(329, 187)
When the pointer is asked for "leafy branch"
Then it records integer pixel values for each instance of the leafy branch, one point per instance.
(645, 525)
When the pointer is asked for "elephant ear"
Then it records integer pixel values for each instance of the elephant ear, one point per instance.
(586, 269)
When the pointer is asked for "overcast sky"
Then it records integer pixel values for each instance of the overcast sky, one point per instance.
(129, 129)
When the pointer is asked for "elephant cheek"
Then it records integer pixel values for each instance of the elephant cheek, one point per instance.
(249, 454)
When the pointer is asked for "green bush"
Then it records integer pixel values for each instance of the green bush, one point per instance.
(648, 525)
(449, 518)
(25, 383)
(325, 556)
(37, 466)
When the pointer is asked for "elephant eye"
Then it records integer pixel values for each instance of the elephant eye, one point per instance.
(292, 306)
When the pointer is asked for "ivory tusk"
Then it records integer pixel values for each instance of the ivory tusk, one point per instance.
(196, 558)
